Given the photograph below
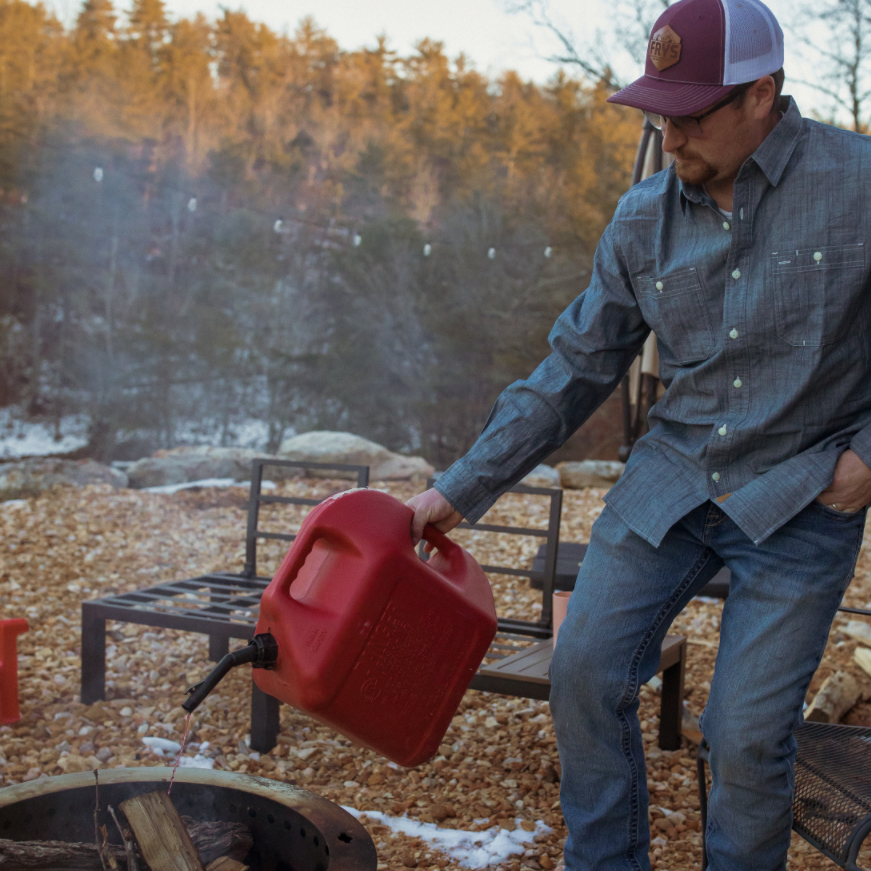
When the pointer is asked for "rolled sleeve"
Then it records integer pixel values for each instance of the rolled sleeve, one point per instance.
(592, 344)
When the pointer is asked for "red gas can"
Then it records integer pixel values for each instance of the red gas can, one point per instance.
(372, 641)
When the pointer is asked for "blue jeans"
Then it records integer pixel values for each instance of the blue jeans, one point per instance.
(783, 598)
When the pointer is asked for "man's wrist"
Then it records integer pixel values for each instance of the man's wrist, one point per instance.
(464, 492)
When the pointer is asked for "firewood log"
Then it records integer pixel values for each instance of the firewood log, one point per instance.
(54, 856)
(160, 832)
(226, 863)
(212, 840)
(836, 696)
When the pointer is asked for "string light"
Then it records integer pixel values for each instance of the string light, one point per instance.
(280, 226)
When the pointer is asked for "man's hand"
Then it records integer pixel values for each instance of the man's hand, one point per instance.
(431, 507)
(851, 488)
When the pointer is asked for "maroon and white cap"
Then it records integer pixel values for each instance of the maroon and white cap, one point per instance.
(699, 50)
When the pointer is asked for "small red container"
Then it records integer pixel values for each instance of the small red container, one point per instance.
(373, 641)
(9, 632)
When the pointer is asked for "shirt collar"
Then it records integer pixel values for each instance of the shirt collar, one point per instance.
(771, 157)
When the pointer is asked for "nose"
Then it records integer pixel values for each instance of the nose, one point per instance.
(672, 138)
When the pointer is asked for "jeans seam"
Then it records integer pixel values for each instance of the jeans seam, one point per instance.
(632, 691)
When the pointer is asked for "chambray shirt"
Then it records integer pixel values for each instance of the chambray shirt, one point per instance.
(764, 332)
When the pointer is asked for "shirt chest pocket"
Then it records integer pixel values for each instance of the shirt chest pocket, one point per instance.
(673, 306)
(817, 292)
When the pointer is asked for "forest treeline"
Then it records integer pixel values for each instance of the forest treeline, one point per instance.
(206, 221)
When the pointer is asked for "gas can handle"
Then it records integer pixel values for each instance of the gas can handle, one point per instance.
(449, 550)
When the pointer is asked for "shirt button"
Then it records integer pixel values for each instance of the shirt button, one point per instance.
(733, 334)
(737, 382)
(727, 225)
(722, 430)
(660, 285)
(736, 274)
(818, 256)
(716, 476)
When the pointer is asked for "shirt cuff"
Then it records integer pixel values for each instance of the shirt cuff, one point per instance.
(861, 445)
(465, 492)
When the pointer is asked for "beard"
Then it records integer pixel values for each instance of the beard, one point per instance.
(694, 170)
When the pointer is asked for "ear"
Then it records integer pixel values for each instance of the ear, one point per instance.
(762, 97)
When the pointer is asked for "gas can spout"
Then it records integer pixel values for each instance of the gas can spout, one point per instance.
(261, 652)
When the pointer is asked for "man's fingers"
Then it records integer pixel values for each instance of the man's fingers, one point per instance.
(418, 522)
(431, 507)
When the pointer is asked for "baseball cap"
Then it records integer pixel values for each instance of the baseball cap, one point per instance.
(699, 50)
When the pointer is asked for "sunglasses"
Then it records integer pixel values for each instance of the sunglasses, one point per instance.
(691, 125)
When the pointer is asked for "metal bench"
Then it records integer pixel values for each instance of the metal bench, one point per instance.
(221, 605)
(518, 660)
(571, 554)
(831, 804)
(525, 674)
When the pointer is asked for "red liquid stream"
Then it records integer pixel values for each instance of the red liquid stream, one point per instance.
(187, 729)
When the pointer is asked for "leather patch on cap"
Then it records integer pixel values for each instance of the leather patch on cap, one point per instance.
(664, 49)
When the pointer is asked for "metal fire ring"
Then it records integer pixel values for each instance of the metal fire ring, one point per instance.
(286, 819)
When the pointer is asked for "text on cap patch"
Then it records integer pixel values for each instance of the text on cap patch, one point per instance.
(664, 48)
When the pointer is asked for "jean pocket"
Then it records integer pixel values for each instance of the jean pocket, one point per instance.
(818, 292)
(674, 308)
(835, 513)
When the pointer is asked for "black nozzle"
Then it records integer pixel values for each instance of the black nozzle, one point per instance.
(261, 652)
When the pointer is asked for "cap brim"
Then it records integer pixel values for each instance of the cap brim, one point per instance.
(669, 98)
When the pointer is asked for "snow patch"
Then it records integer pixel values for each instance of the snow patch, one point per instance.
(470, 849)
(23, 438)
(163, 746)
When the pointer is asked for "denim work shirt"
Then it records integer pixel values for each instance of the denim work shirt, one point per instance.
(763, 325)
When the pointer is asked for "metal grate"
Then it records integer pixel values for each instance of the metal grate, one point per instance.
(219, 598)
(832, 804)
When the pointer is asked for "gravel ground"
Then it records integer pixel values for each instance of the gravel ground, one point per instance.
(498, 764)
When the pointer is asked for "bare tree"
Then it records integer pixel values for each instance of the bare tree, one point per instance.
(593, 54)
(836, 38)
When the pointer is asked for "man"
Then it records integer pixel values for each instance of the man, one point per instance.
(749, 260)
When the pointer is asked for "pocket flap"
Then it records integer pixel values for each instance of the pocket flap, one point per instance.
(825, 257)
(682, 281)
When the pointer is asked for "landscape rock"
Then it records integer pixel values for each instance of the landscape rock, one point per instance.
(325, 446)
(542, 476)
(198, 463)
(31, 477)
(589, 473)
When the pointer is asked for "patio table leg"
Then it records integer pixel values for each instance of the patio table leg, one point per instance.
(264, 720)
(671, 705)
(93, 655)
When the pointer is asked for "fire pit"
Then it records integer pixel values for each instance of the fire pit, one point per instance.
(292, 829)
